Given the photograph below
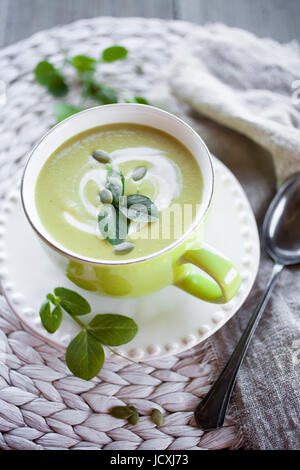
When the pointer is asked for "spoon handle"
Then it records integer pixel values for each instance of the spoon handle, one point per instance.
(210, 413)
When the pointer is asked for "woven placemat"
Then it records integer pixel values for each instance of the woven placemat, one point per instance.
(42, 406)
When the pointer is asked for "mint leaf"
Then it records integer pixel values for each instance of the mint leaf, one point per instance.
(101, 93)
(105, 94)
(50, 320)
(72, 302)
(85, 356)
(113, 225)
(140, 100)
(84, 63)
(64, 110)
(112, 329)
(114, 53)
(139, 208)
(47, 75)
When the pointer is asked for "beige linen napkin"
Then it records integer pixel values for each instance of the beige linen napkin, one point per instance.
(241, 94)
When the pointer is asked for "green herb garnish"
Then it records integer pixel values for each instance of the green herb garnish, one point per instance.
(113, 330)
(114, 218)
(72, 302)
(84, 63)
(65, 110)
(139, 208)
(113, 225)
(85, 355)
(85, 66)
(114, 53)
(47, 75)
(51, 319)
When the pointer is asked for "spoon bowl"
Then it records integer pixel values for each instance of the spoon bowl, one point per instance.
(281, 228)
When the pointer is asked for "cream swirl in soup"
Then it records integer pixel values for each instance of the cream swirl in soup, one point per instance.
(162, 174)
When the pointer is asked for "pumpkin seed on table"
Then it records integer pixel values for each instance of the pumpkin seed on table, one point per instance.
(124, 248)
(157, 417)
(121, 412)
(139, 173)
(106, 196)
(101, 156)
(134, 418)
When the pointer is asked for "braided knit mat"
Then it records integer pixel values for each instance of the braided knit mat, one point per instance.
(42, 406)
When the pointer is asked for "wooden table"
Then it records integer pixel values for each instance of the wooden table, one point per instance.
(279, 19)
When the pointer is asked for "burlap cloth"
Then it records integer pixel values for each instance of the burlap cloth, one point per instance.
(41, 405)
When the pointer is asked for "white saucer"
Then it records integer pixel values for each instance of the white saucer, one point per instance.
(169, 321)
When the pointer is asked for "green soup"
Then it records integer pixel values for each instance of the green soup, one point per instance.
(69, 184)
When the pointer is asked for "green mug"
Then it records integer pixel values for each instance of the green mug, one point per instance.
(173, 265)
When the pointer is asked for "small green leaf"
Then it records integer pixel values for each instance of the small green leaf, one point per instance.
(101, 93)
(121, 412)
(72, 302)
(64, 110)
(47, 75)
(157, 417)
(84, 63)
(85, 356)
(105, 94)
(112, 329)
(114, 53)
(88, 83)
(113, 225)
(50, 320)
(139, 208)
(140, 100)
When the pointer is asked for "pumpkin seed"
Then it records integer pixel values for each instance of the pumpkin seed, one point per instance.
(101, 156)
(139, 173)
(134, 418)
(121, 412)
(124, 248)
(106, 196)
(157, 417)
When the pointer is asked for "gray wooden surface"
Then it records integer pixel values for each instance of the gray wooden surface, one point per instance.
(279, 19)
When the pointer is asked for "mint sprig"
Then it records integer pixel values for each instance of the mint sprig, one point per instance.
(53, 79)
(115, 217)
(85, 355)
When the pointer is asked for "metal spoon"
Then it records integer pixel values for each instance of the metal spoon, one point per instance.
(281, 240)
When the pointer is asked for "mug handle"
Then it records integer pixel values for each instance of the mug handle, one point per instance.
(224, 281)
